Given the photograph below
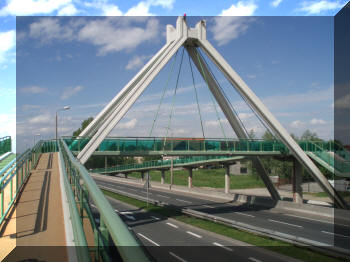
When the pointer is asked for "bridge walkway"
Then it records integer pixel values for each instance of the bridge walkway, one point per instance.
(37, 218)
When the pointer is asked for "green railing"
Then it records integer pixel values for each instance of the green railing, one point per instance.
(162, 163)
(81, 189)
(5, 145)
(14, 177)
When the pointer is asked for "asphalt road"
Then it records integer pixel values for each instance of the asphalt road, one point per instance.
(170, 240)
(321, 232)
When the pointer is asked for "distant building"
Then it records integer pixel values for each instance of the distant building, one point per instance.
(240, 168)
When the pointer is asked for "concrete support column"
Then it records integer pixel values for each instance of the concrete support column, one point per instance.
(126, 175)
(142, 176)
(227, 179)
(190, 178)
(297, 180)
(162, 177)
(106, 164)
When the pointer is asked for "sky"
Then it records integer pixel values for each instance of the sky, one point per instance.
(287, 60)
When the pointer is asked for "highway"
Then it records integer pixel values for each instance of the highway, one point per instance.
(171, 240)
(321, 232)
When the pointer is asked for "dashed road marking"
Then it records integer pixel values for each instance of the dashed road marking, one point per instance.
(207, 206)
(254, 259)
(130, 217)
(193, 234)
(276, 221)
(335, 234)
(163, 196)
(149, 240)
(172, 225)
(156, 218)
(244, 214)
(126, 213)
(176, 256)
(185, 201)
(220, 245)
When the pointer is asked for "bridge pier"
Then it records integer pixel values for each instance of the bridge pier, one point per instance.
(126, 175)
(227, 179)
(142, 176)
(189, 177)
(297, 182)
(162, 178)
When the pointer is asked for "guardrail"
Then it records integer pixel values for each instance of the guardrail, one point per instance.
(14, 177)
(5, 145)
(162, 163)
(81, 188)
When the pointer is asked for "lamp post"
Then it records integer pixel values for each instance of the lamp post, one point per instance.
(35, 136)
(61, 109)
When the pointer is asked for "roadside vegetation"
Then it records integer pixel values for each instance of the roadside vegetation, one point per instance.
(301, 253)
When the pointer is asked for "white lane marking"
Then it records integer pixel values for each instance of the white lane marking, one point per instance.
(163, 196)
(132, 189)
(172, 225)
(276, 221)
(150, 240)
(156, 218)
(244, 214)
(176, 256)
(331, 233)
(322, 221)
(182, 200)
(254, 259)
(219, 245)
(193, 234)
(207, 206)
(126, 213)
(130, 217)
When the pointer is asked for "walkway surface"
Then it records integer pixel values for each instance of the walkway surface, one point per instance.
(36, 222)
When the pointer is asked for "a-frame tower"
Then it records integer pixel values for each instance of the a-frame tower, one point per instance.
(191, 39)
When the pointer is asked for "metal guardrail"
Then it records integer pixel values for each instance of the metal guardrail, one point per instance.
(14, 177)
(163, 163)
(5, 145)
(81, 189)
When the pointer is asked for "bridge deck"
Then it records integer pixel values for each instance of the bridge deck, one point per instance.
(37, 218)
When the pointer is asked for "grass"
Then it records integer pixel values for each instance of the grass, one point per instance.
(323, 194)
(206, 178)
(278, 246)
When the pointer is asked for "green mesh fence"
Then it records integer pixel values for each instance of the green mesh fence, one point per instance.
(5, 145)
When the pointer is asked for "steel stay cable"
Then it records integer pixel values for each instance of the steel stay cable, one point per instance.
(259, 118)
(212, 99)
(195, 90)
(173, 100)
(161, 99)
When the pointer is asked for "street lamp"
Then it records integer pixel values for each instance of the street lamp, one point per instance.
(61, 109)
(34, 138)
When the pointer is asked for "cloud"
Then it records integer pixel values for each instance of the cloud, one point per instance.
(40, 119)
(31, 7)
(7, 43)
(136, 62)
(316, 121)
(215, 123)
(226, 28)
(297, 124)
(142, 8)
(242, 8)
(49, 29)
(33, 90)
(276, 3)
(111, 36)
(317, 7)
(111, 10)
(343, 102)
(70, 91)
(127, 125)
(68, 10)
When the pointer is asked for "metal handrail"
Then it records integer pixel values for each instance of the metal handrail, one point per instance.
(110, 222)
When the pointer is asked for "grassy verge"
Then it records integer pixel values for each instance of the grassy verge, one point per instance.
(207, 178)
(278, 246)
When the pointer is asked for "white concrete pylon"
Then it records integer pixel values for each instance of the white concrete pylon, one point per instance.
(184, 36)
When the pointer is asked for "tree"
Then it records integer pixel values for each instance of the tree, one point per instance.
(84, 124)
(251, 134)
(268, 136)
(308, 135)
